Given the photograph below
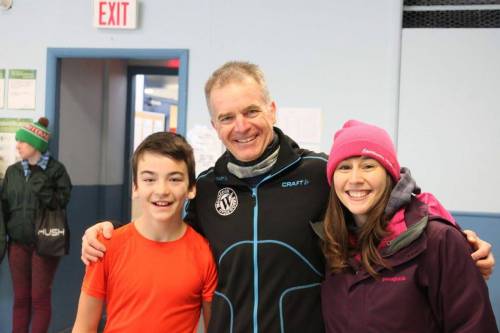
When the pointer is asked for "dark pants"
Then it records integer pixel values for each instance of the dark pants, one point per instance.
(32, 277)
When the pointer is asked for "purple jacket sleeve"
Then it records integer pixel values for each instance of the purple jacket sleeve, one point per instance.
(435, 207)
(457, 292)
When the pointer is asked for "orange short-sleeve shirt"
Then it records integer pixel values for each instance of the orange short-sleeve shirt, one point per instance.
(151, 286)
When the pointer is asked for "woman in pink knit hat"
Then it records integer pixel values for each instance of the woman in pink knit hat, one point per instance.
(396, 260)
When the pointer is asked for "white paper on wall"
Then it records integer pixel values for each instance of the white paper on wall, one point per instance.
(303, 125)
(206, 146)
(21, 89)
(147, 123)
(2, 88)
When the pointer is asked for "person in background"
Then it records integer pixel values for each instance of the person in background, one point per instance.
(255, 207)
(396, 261)
(3, 236)
(38, 181)
(158, 272)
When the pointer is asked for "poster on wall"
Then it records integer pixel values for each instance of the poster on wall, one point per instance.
(2, 88)
(8, 152)
(206, 145)
(21, 89)
(147, 123)
(303, 125)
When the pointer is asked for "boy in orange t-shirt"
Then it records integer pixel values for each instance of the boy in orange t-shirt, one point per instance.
(158, 272)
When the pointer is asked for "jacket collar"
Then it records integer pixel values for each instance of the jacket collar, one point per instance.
(402, 245)
(289, 153)
(42, 163)
(406, 226)
(406, 238)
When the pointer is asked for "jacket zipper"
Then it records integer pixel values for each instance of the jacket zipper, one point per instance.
(255, 243)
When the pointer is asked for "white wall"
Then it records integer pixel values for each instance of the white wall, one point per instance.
(341, 56)
(449, 130)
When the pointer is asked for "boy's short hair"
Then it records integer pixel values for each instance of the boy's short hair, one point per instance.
(170, 145)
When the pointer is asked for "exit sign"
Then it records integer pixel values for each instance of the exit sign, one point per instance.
(115, 14)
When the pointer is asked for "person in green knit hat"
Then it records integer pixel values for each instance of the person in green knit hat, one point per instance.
(36, 182)
(36, 135)
(3, 239)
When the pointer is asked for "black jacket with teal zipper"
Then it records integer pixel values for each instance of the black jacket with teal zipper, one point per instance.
(269, 259)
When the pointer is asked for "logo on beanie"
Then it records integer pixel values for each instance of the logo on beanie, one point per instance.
(36, 134)
(367, 151)
(44, 135)
(226, 202)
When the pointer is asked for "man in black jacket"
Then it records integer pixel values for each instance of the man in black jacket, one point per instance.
(255, 207)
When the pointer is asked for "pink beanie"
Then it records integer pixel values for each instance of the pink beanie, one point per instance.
(359, 139)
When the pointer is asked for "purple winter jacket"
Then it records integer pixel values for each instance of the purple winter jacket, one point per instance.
(433, 285)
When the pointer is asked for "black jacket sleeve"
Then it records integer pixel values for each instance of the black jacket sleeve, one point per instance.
(3, 236)
(52, 189)
(190, 216)
(5, 203)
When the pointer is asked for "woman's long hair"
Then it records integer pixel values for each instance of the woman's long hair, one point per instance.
(336, 246)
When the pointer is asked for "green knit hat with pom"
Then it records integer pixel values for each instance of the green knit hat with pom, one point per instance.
(36, 134)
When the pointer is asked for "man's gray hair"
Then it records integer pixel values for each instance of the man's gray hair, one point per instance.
(236, 71)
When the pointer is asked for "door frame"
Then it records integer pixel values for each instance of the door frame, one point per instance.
(53, 79)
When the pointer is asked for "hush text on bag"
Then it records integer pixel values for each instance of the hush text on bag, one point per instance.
(52, 232)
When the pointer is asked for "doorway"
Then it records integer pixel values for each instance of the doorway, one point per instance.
(92, 136)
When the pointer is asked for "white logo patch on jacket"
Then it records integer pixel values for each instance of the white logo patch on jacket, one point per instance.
(226, 202)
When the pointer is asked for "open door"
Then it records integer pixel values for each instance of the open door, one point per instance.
(154, 107)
